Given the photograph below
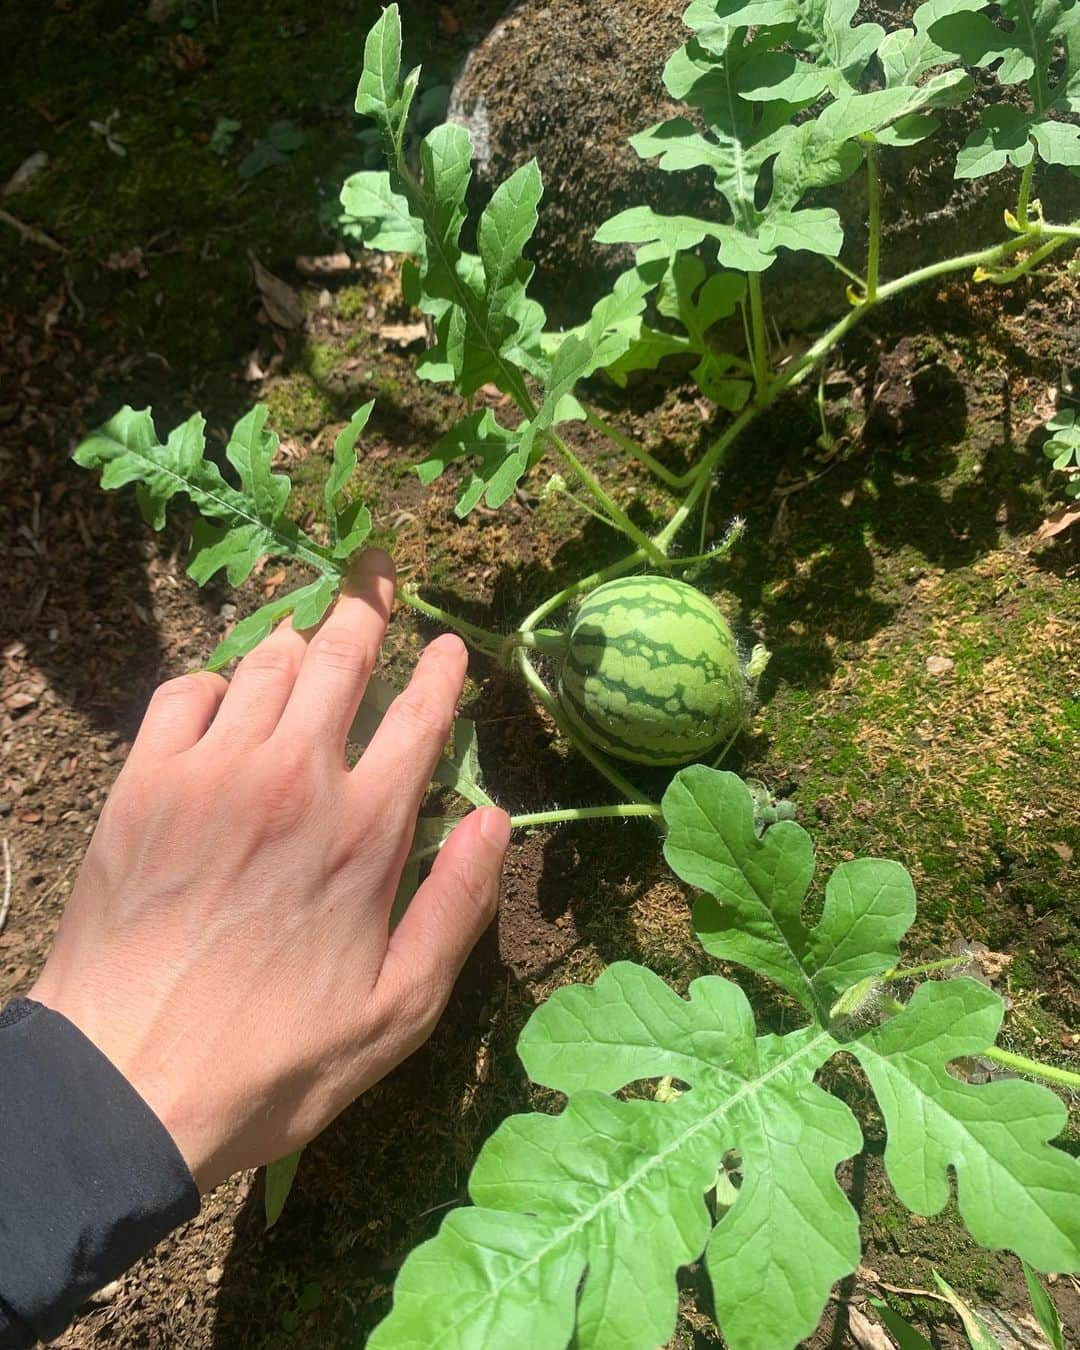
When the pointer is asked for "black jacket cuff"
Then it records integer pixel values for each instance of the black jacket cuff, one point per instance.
(90, 1179)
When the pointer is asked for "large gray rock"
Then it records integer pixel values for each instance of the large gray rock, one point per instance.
(568, 82)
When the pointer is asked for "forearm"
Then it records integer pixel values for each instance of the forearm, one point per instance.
(89, 1177)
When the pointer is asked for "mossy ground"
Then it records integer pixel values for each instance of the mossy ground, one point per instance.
(867, 570)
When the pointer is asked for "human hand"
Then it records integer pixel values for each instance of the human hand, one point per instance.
(226, 945)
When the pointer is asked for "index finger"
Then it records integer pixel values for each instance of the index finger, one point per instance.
(341, 655)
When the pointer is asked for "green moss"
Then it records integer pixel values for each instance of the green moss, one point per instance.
(351, 302)
(388, 387)
(297, 405)
(321, 360)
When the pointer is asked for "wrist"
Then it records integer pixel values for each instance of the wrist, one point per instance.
(134, 1059)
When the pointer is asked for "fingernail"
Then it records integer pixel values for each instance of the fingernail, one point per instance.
(450, 644)
(372, 562)
(495, 827)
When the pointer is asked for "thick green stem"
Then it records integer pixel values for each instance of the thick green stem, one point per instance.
(962, 262)
(633, 449)
(873, 245)
(1061, 231)
(708, 464)
(594, 579)
(759, 351)
(615, 514)
(546, 640)
(705, 516)
(624, 811)
(927, 968)
(798, 371)
(1033, 1068)
(827, 442)
(544, 697)
(1005, 276)
(484, 638)
(513, 379)
(1023, 197)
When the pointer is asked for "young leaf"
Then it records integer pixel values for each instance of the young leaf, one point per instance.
(1063, 447)
(255, 521)
(1045, 1312)
(381, 93)
(755, 889)
(381, 214)
(278, 1182)
(349, 527)
(907, 54)
(308, 603)
(460, 770)
(502, 461)
(697, 303)
(905, 1335)
(1024, 53)
(237, 526)
(250, 520)
(821, 30)
(979, 1335)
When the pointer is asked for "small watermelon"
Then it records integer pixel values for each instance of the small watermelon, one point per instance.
(652, 673)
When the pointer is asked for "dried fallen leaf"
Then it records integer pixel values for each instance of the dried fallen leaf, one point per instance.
(272, 582)
(127, 260)
(985, 965)
(939, 665)
(404, 334)
(325, 264)
(283, 305)
(25, 174)
(1063, 851)
(253, 372)
(1056, 523)
(866, 1334)
(186, 54)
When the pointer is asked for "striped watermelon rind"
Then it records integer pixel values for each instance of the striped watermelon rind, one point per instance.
(652, 673)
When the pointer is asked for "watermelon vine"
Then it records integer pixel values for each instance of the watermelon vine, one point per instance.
(582, 1219)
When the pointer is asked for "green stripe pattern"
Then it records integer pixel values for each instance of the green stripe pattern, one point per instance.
(652, 673)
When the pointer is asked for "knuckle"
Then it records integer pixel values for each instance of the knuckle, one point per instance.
(126, 809)
(266, 662)
(340, 651)
(425, 714)
(422, 1003)
(285, 789)
(180, 689)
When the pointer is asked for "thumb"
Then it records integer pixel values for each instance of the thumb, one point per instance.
(445, 919)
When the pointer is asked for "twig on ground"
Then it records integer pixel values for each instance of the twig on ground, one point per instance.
(31, 232)
(5, 902)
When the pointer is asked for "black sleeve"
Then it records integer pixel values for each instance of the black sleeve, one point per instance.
(90, 1179)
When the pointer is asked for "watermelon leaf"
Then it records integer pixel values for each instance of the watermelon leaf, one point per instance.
(580, 1220)
(1025, 54)
(237, 525)
(751, 912)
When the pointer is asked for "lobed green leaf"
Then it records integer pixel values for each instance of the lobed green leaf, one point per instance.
(752, 912)
(1025, 53)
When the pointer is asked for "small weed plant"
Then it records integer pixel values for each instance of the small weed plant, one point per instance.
(688, 1134)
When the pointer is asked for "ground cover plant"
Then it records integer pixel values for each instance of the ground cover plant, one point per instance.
(488, 332)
